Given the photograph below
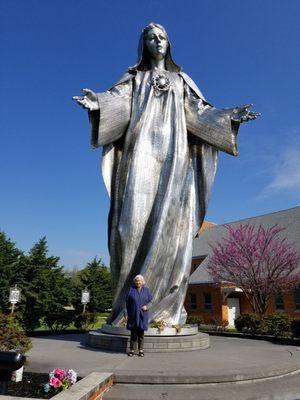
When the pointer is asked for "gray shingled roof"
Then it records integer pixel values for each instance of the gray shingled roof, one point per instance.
(290, 219)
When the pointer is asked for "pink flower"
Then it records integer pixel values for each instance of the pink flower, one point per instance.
(55, 382)
(59, 373)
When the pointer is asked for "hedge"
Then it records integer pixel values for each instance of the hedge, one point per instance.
(277, 324)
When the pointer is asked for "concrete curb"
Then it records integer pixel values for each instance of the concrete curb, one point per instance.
(189, 377)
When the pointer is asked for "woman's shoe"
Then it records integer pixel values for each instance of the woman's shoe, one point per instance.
(131, 354)
(141, 353)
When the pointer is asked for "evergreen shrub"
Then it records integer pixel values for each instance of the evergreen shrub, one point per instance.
(193, 320)
(248, 323)
(85, 321)
(60, 320)
(218, 324)
(295, 328)
(12, 335)
(277, 324)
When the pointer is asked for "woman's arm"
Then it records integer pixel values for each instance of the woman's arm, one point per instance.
(149, 299)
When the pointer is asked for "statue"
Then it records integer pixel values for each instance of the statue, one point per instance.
(160, 141)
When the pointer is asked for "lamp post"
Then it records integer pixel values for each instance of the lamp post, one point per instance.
(85, 298)
(14, 297)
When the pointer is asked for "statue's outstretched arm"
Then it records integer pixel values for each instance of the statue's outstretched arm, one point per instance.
(217, 127)
(109, 112)
(89, 100)
(242, 114)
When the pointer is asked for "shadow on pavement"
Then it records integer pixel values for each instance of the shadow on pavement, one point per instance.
(78, 337)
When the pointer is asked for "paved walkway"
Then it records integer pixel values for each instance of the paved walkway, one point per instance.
(275, 389)
(228, 359)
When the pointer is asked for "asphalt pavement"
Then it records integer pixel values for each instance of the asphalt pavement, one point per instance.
(232, 368)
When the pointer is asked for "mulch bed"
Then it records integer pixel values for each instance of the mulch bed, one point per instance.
(31, 386)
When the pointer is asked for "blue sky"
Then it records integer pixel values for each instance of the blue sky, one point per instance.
(237, 52)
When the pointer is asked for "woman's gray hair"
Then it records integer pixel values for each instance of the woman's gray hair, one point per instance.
(139, 277)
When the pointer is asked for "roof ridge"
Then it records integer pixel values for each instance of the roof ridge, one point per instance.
(256, 216)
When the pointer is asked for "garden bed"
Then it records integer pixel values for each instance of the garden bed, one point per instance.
(31, 386)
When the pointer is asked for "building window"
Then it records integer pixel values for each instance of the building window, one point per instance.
(279, 303)
(207, 300)
(193, 301)
(297, 298)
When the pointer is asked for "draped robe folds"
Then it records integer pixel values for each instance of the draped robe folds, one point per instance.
(159, 162)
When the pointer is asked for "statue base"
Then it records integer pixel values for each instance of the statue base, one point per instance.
(116, 339)
(167, 331)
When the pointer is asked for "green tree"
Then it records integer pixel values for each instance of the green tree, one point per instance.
(45, 288)
(10, 274)
(96, 278)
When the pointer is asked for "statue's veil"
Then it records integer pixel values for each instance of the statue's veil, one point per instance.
(143, 56)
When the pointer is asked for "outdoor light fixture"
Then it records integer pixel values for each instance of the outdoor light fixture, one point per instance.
(14, 297)
(85, 298)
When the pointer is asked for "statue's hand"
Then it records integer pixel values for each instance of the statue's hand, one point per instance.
(242, 114)
(88, 100)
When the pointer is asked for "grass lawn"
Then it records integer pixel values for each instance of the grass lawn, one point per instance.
(213, 329)
(101, 319)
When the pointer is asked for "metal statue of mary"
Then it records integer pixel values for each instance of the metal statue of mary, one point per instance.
(160, 141)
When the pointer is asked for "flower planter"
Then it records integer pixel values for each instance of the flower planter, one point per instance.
(92, 387)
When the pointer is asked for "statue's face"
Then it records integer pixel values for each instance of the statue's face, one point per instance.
(157, 43)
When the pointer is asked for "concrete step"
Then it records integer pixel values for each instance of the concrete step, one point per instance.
(284, 388)
(152, 344)
(188, 376)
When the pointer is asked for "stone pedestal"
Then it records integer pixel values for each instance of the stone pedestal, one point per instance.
(116, 339)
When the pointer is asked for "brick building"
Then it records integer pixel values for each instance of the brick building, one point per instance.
(220, 301)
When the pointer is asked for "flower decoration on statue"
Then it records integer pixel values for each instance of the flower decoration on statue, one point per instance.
(160, 83)
(60, 379)
(159, 324)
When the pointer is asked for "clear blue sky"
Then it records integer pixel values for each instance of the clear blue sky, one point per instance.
(236, 51)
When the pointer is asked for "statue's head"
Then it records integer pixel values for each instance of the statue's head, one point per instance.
(155, 44)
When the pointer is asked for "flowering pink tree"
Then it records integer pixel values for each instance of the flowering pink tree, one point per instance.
(259, 261)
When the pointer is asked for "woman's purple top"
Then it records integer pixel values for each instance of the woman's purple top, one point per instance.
(135, 300)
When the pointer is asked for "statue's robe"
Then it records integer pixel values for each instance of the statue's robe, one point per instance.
(159, 162)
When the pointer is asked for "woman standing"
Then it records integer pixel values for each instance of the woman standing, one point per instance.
(137, 313)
